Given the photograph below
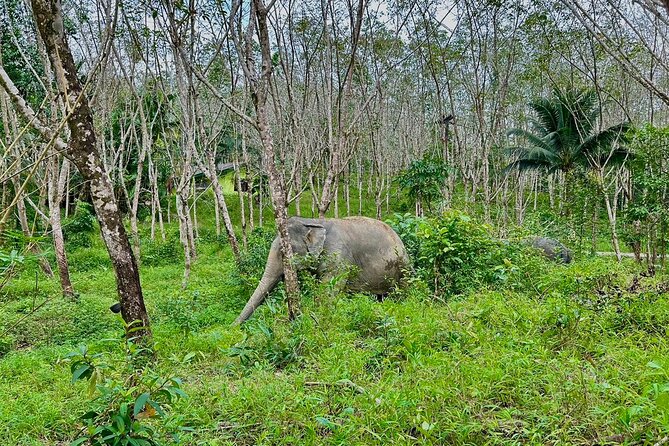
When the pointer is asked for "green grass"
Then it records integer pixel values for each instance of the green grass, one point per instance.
(560, 355)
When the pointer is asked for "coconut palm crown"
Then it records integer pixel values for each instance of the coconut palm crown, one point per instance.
(563, 135)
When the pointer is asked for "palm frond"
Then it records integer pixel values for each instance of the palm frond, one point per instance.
(531, 138)
(600, 143)
(547, 115)
(525, 165)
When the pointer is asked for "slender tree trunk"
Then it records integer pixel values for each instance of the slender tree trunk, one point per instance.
(55, 195)
(347, 190)
(134, 209)
(260, 206)
(336, 200)
(242, 208)
(196, 232)
(259, 88)
(222, 205)
(10, 131)
(184, 235)
(359, 187)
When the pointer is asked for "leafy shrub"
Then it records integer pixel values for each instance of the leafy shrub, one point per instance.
(191, 312)
(453, 253)
(424, 179)
(79, 228)
(9, 264)
(87, 259)
(254, 258)
(124, 396)
(208, 235)
(7, 343)
(263, 344)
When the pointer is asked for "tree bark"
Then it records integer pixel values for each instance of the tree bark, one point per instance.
(82, 150)
(259, 85)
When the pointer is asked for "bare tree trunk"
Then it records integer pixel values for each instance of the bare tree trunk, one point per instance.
(217, 219)
(196, 233)
(83, 151)
(56, 185)
(249, 179)
(220, 203)
(25, 229)
(347, 190)
(242, 208)
(611, 213)
(359, 187)
(336, 200)
(10, 130)
(184, 234)
(260, 205)
(259, 88)
(144, 149)
(298, 186)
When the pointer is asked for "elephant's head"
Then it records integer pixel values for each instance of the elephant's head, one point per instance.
(306, 237)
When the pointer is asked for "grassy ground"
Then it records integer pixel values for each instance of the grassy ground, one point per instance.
(565, 355)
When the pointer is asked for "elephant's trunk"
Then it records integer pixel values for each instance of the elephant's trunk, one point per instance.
(271, 276)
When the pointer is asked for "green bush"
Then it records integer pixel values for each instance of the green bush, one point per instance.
(453, 253)
(270, 345)
(87, 259)
(79, 228)
(125, 397)
(254, 257)
(7, 344)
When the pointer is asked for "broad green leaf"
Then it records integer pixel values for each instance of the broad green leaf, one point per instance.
(140, 403)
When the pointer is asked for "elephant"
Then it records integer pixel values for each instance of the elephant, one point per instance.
(551, 248)
(371, 247)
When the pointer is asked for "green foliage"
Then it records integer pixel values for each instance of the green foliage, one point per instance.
(87, 259)
(254, 258)
(162, 252)
(564, 136)
(15, 46)
(126, 398)
(78, 229)
(262, 344)
(9, 261)
(350, 370)
(424, 179)
(453, 253)
(13, 256)
(646, 217)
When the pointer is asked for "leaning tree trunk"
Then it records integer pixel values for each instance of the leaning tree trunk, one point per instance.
(82, 150)
(210, 172)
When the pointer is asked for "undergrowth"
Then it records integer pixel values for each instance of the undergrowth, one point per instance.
(532, 352)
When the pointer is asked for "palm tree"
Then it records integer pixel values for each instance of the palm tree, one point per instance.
(564, 137)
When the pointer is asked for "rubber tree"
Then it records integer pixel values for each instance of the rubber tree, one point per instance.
(259, 82)
(82, 151)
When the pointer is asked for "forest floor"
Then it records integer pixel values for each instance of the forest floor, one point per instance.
(575, 354)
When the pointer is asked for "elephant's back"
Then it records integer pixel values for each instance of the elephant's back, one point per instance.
(380, 234)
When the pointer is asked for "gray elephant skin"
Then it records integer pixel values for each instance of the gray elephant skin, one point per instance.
(371, 247)
(550, 248)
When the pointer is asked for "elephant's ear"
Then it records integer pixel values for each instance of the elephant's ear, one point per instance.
(315, 239)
